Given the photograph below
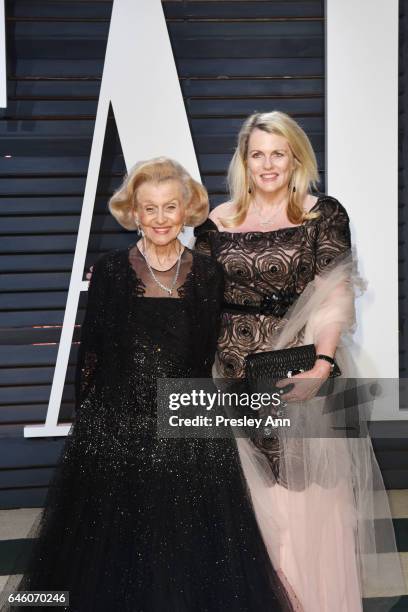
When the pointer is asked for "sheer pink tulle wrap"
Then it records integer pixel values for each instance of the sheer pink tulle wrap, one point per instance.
(327, 523)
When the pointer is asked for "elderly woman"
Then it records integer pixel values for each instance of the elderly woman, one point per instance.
(290, 281)
(134, 521)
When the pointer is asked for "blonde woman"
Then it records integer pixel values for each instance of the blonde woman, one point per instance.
(290, 280)
(134, 521)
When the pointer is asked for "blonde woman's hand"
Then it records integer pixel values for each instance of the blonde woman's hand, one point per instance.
(305, 385)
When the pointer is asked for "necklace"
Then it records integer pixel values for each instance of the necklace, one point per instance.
(170, 289)
(262, 220)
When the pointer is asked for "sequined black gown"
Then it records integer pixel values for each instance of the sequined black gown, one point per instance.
(133, 522)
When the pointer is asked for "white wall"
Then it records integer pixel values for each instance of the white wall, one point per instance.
(362, 165)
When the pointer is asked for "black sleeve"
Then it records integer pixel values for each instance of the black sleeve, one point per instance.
(204, 234)
(215, 299)
(333, 237)
(90, 351)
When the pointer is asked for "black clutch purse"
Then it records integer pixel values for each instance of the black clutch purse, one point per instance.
(272, 366)
(263, 370)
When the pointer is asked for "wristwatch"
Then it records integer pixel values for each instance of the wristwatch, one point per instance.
(326, 358)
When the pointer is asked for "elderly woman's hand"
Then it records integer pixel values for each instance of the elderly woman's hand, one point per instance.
(89, 274)
(305, 385)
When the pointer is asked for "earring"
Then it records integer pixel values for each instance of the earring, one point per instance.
(139, 229)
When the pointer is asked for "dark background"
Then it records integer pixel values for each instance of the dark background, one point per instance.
(233, 58)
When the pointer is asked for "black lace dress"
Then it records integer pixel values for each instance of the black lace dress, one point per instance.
(134, 522)
(264, 274)
(310, 542)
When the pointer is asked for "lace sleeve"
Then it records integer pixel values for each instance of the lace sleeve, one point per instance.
(215, 298)
(336, 313)
(91, 338)
(204, 234)
(333, 237)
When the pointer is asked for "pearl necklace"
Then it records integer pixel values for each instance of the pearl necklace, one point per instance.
(170, 289)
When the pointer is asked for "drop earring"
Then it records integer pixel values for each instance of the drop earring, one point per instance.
(249, 183)
(139, 229)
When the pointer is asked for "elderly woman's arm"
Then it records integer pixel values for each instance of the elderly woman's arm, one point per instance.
(90, 351)
(204, 235)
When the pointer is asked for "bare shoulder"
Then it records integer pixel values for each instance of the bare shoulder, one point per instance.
(309, 202)
(222, 210)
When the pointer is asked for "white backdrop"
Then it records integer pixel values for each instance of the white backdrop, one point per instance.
(362, 167)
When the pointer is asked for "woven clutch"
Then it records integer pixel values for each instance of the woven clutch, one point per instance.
(276, 365)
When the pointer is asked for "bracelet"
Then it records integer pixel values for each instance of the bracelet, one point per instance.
(326, 358)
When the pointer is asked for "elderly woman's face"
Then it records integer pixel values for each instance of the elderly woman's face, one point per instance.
(160, 210)
(270, 161)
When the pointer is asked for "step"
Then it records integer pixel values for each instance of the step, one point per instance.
(15, 526)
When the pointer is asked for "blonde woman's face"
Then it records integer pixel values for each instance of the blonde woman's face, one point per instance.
(270, 161)
(160, 210)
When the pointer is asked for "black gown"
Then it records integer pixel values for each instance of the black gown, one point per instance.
(134, 522)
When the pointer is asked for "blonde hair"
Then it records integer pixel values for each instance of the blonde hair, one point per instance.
(123, 202)
(304, 177)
